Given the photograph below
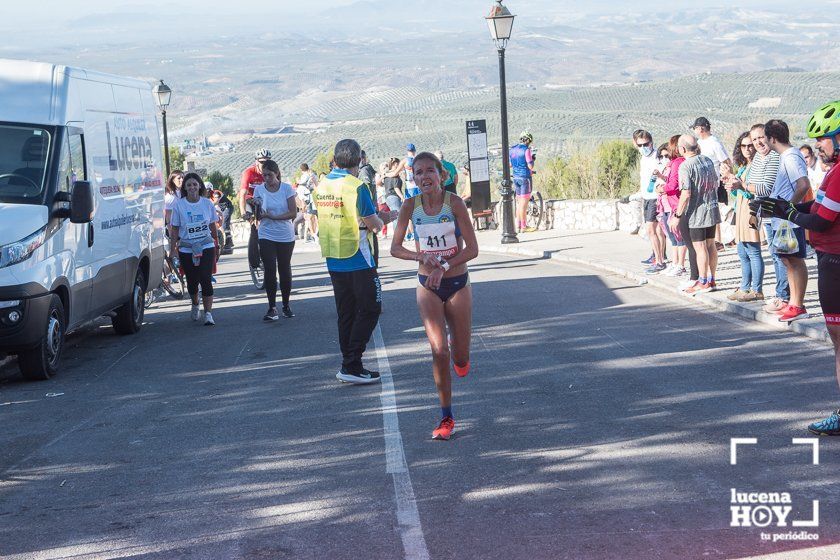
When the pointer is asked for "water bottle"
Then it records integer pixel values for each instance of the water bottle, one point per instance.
(651, 184)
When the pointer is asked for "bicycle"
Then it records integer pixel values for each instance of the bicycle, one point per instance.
(172, 282)
(534, 213)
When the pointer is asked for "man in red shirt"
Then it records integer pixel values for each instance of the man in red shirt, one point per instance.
(820, 217)
(252, 177)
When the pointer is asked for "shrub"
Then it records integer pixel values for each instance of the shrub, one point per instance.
(607, 171)
(224, 183)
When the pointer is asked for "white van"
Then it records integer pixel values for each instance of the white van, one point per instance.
(81, 206)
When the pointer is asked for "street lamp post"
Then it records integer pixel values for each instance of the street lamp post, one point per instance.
(500, 22)
(163, 94)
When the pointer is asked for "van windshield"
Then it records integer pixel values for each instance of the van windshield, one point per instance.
(24, 151)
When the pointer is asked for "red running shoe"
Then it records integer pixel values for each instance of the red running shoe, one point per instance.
(444, 429)
(792, 313)
(462, 371)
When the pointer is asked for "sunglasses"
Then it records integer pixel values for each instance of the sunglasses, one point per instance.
(747, 146)
(645, 145)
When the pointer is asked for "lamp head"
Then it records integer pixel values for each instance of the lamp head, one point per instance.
(163, 94)
(500, 22)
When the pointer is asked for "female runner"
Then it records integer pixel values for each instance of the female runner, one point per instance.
(444, 243)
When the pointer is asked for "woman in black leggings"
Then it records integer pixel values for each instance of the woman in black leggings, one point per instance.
(193, 237)
(277, 210)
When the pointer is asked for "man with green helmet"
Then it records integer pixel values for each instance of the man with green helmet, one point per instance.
(820, 217)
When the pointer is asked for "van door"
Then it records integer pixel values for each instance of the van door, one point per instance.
(79, 238)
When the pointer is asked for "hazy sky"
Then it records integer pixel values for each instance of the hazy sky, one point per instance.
(94, 22)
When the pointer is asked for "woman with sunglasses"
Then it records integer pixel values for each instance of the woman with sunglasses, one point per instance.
(748, 238)
(670, 198)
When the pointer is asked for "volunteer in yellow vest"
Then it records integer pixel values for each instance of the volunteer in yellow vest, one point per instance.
(347, 221)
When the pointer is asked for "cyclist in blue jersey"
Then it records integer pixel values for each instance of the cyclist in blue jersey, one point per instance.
(522, 165)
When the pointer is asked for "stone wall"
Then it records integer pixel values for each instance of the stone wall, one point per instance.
(602, 215)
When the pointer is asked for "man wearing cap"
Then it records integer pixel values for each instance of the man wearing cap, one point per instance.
(252, 177)
(712, 148)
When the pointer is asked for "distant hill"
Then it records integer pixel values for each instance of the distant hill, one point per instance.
(384, 121)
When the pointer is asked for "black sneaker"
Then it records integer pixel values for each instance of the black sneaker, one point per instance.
(271, 315)
(287, 313)
(363, 378)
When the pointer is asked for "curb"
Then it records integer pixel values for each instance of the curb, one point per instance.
(740, 310)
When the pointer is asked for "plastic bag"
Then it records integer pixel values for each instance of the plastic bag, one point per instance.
(784, 240)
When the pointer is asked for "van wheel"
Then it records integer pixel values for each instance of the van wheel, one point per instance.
(41, 362)
(129, 317)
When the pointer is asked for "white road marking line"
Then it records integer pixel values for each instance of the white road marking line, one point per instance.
(408, 518)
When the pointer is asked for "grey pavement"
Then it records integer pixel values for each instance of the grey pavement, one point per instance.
(620, 253)
(595, 424)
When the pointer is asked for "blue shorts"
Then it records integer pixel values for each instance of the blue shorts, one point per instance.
(522, 186)
(448, 286)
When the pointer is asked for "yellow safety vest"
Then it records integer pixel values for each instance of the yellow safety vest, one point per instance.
(338, 217)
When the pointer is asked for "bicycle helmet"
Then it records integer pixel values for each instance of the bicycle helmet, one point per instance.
(526, 137)
(263, 154)
(826, 122)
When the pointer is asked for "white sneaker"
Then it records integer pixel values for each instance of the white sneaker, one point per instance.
(195, 313)
(686, 284)
(208, 319)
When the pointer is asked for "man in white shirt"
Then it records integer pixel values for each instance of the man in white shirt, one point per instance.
(791, 184)
(712, 148)
(815, 170)
(647, 193)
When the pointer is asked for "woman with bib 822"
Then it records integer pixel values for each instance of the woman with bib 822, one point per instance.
(193, 237)
(444, 242)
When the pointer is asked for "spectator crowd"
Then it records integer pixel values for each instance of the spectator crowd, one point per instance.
(695, 196)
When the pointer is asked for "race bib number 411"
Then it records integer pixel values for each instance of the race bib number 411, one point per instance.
(438, 239)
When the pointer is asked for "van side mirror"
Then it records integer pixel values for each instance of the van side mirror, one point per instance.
(81, 203)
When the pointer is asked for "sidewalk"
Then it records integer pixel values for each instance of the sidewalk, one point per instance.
(619, 253)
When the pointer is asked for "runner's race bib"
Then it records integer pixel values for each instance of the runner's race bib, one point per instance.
(197, 228)
(437, 239)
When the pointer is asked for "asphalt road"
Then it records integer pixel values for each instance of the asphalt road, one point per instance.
(595, 423)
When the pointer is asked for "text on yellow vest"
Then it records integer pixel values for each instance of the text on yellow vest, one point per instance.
(338, 216)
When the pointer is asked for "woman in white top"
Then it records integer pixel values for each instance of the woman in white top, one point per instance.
(193, 237)
(172, 192)
(277, 209)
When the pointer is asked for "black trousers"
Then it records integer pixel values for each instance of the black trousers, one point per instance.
(201, 274)
(254, 248)
(277, 259)
(692, 254)
(358, 301)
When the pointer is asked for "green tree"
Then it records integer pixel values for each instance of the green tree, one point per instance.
(617, 161)
(321, 164)
(176, 158)
(590, 172)
(221, 181)
(224, 183)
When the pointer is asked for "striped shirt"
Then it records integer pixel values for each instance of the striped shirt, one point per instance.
(763, 171)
